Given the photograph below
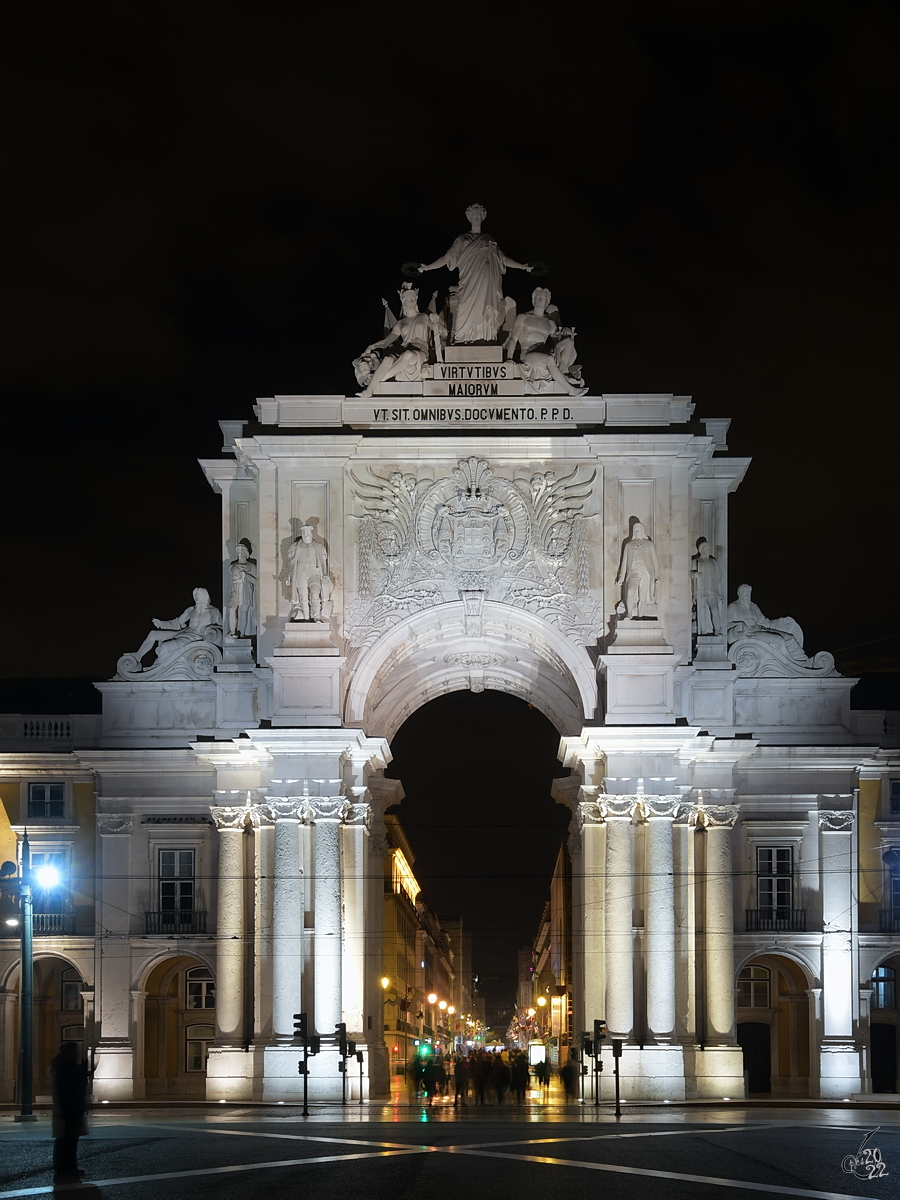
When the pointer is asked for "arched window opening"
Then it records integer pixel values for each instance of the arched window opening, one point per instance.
(884, 987)
(754, 987)
(201, 988)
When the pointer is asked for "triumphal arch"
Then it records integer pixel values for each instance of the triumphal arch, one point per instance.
(474, 515)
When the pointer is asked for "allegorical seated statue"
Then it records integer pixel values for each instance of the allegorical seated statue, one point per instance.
(242, 597)
(638, 574)
(187, 647)
(534, 334)
(411, 335)
(310, 583)
(707, 591)
(774, 648)
(479, 309)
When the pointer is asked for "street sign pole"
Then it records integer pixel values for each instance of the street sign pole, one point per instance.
(26, 992)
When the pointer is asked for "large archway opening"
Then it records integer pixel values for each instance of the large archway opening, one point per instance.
(483, 829)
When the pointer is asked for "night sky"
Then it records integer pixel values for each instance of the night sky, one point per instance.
(200, 209)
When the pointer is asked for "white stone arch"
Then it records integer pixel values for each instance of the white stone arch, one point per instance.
(150, 964)
(445, 649)
(806, 965)
(9, 981)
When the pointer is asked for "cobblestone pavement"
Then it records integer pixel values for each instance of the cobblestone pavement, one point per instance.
(547, 1151)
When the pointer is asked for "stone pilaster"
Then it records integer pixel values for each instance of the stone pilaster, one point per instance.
(590, 832)
(327, 813)
(659, 916)
(719, 820)
(287, 913)
(839, 1062)
(618, 813)
(354, 857)
(230, 926)
(114, 1073)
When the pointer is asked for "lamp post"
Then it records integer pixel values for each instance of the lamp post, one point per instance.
(25, 1077)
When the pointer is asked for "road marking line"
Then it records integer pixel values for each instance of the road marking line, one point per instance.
(293, 1137)
(263, 1166)
(711, 1180)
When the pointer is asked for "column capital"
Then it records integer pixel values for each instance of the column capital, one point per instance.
(665, 808)
(359, 814)
(714, 816)
(328, 808)
(115, 823)
(233, 818)
(293, 809)
(836, 820)
(624, 808)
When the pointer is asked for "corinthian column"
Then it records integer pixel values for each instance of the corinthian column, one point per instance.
(719, 821)
(659, 916)
(230, 926)
(287, 914)
(619, 917)
(327, 812)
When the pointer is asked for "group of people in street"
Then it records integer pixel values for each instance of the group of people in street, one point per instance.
(479, 1077)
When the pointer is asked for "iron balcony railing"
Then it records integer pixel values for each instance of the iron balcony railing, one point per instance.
(50, 924)
(175, 921)
(889, 920)
(780, 920)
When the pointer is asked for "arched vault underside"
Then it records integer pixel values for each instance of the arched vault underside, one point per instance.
(447, 649)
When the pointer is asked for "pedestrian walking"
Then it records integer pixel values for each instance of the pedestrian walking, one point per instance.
(460, 1081)
(68, 1087)
(520, 1077)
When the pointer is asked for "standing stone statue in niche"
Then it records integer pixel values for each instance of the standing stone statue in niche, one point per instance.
(242, 597)
(639, 574)
(310, 584)
(480, 309)
(533, 332)
(414, 331)
(708, 593)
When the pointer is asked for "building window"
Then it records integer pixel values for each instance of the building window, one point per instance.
(71, 990)
(895, 797)
(774, 879)
(201, 988)
(50, 880)
(198, 1039)
(46, 800)
(754, 987)
(884, 988)
(176, 881)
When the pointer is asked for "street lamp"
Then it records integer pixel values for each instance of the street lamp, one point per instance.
(26, 977)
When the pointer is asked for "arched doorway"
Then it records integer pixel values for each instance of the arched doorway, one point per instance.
(773, 1017)
(179, 1025)
(59, 1016)
(884, 1018)
(486, 836)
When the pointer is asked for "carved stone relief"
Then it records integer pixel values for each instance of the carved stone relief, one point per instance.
(518, 541)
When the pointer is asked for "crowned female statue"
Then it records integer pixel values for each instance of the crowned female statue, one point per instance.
(480, 307)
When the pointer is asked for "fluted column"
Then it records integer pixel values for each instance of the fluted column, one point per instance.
(287, 913)
(589, 837)
(836, 829)
(719, 821)
(618, 813)
(230, 926)
(327, 812)
(355, 833)
(659, 916)
(114, 1076)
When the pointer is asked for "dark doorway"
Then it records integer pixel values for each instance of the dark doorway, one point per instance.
(884, 1057)
(755, 1039)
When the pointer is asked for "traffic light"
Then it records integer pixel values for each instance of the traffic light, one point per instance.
(617, 1048)
(300, 1026)
(315, 1044)
(587, 1045)
(342, 1038)
(351, 1048)
(599, 1033)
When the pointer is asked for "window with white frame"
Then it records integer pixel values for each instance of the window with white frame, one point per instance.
(884, 987)
(176, 881)
(46, 801)
(775, 879)
(50, 879)
(71, 999)
(754, 987)
(201, 988)
(198, 1038)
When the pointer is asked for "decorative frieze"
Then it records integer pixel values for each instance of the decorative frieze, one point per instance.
(109, 823)
(836, 821)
